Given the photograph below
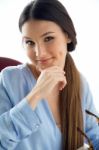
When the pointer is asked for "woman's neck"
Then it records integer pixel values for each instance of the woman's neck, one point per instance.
(34, 71)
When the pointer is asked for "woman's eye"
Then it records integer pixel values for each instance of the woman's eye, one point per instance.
(29, 43)
(49, 38)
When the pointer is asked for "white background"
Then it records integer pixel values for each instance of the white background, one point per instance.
(85, 15)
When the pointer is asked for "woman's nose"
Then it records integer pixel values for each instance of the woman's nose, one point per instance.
(40, 51)
(36, 50)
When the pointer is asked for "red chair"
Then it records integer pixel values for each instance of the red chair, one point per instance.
(4, 62)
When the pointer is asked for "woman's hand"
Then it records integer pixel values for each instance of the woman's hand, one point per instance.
(49, 79)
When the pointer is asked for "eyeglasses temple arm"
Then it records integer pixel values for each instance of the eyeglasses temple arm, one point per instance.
(90, 113)
(89, 141)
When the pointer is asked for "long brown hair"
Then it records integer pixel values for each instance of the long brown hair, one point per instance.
(70, 106)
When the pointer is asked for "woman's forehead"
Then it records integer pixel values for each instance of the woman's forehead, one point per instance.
(40, 27)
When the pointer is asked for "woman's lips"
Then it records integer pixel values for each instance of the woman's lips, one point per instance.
(45, 60)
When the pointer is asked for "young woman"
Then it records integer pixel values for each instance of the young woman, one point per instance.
(45, 104)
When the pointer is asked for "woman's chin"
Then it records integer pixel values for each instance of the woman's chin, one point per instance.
(41, 68)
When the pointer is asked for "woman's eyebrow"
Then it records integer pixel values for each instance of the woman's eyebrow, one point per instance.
(25, 37)
(46, 33)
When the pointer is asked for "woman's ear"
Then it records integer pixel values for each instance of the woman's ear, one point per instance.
(68, 40)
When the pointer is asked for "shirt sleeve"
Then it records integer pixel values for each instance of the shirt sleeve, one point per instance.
(16, 122)
(91, 126)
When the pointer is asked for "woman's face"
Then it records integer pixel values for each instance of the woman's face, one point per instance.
(45, 43)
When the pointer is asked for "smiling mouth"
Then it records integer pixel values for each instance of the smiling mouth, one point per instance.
(44, 61)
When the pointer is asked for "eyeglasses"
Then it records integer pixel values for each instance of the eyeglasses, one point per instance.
(86, 137)
(90, 113)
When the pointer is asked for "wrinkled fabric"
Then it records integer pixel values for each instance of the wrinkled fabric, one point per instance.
(21, 127)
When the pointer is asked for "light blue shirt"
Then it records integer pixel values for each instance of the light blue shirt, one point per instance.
(21, 127)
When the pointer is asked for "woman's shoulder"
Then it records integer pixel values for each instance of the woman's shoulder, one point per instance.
(17, 76)
(13, 69)
(84, 82)
(15, 72)
(86, 93)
